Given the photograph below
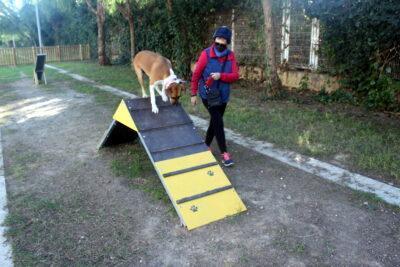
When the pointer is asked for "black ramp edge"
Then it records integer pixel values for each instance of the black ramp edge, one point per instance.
(144, 103)
(166, 126)
(168, 134)
(203, 166)
(117, 134)
(177, 153)
(204, 194)
(177, 147)
(170, 138)
(167, 116)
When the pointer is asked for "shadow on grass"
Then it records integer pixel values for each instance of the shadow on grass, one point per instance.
(131, 162)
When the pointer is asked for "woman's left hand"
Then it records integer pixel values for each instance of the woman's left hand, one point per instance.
(193, 100)
(216, 75)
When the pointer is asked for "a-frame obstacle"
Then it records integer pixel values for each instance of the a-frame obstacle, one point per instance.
(197, 186)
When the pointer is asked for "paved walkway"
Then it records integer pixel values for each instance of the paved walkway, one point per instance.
(5, 248)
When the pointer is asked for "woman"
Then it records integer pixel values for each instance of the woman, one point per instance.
(215, 70)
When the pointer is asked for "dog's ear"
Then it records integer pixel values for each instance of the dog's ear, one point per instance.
(182, 85)
(168, 90)
(181, 81)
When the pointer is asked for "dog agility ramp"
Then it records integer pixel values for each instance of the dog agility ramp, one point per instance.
(197, 186)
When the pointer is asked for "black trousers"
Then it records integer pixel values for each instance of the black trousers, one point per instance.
(216, 127)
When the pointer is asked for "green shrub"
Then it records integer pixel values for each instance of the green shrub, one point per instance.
(340, 96)
(360, 38)
(382, 94)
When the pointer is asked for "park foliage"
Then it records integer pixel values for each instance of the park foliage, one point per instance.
(359, 38)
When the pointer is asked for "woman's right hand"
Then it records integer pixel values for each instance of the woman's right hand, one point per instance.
(193, 100)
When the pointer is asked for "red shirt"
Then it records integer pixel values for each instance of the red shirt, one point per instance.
(202, 63)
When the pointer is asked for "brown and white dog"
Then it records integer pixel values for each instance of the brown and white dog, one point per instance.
(159, 70)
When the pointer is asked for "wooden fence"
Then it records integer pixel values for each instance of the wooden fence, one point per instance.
(58, 53)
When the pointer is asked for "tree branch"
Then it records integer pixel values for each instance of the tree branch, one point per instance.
(122, 10)
(89, 4)
(125, 9)
(169, 6)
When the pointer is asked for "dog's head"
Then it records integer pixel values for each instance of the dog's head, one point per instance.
(174, 91)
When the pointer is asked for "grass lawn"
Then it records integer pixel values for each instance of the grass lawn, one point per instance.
(360, 140)
(118, 76)
(10, 74)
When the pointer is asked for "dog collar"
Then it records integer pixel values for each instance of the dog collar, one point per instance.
(170, 80)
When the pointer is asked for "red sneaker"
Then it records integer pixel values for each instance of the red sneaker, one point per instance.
(227, 159)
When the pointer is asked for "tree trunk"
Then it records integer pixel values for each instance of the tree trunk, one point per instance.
(125, 10)
(101, 40)
(275, 82)
(132, 35)
(169, 7)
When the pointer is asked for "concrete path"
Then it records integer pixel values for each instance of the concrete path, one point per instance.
(5, 248)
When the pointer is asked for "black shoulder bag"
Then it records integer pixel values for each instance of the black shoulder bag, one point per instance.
(214, 96)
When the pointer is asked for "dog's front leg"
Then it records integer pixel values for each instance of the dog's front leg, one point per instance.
(157, 85)
(163, 94)
(144, 93)
(154, 107)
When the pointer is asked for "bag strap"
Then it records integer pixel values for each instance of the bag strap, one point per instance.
(222, 69)
(208, 59)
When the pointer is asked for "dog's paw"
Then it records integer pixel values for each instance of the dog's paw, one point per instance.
(154, 109)
(164, 98)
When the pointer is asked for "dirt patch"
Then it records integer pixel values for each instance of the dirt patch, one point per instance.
(67, 205)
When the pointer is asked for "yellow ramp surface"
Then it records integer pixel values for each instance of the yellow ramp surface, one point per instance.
(203, 195)
(197, 186)
(123, 116)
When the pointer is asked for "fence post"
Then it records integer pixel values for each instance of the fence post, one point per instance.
(285, 29)
(33, 54)
(233, 29)
(313, 58)
(80, 52)
(58, 53)
(88, 51)
(14, 56)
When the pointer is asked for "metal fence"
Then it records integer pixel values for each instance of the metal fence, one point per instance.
(394, 63)
(27, 55)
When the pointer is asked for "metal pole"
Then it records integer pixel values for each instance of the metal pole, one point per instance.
(38, 27)
(233, 30)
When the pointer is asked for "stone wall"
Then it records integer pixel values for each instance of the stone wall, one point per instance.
(314, 81)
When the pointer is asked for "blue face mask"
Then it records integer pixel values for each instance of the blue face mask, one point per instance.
(220, 47)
